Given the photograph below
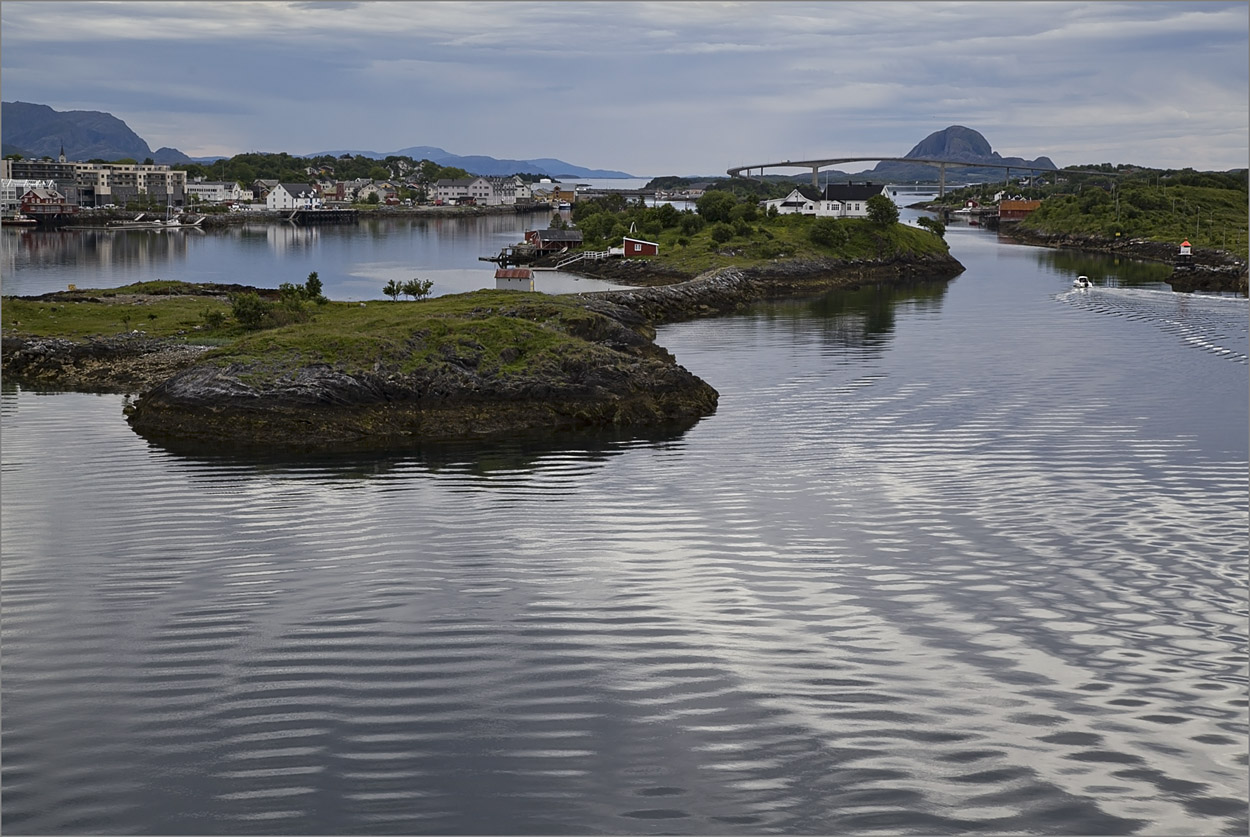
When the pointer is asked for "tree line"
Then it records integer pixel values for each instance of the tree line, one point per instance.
(246, 168)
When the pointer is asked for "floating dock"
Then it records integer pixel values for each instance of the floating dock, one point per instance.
(309, 217)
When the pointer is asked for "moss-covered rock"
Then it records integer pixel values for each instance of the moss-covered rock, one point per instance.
(532, 362)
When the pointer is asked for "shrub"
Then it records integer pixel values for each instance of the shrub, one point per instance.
(716, 205)
(826, 232)
(668, 215)
(213, 318)
(691, 224)
(249, 310)
(721, 233)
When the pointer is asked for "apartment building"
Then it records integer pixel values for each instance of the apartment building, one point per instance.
(95, 184)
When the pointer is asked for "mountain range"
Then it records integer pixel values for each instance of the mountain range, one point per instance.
(39, 131)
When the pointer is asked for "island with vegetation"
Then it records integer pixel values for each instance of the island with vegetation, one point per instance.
(1136, 212)
(287, 367)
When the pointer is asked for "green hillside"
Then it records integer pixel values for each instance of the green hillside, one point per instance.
(1210, 209)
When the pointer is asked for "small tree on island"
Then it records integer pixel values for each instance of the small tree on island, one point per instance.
(417, 288)
(393, 289)
(312, 289)
(933, 225)
(882, 211)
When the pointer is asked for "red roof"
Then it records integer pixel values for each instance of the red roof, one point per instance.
(514, 273)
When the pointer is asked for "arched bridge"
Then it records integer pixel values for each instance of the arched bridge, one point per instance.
(817, 165)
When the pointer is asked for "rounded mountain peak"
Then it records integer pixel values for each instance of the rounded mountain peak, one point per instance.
(953, 143)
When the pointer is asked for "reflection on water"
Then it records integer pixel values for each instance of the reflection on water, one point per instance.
(955, 558)
(867, 314)
(1113, 271)
(516, 453)
(353, 261)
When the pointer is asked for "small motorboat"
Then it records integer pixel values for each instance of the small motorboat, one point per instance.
(1082, 282)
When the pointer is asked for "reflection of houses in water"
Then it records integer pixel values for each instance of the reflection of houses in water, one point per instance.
(131, 248)
(8, 255)
(283, 237)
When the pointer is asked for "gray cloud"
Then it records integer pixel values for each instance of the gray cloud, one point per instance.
(651, 88)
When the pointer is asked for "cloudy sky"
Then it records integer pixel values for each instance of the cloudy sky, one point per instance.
(650, 88)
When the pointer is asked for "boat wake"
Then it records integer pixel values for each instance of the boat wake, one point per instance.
(1215, 324)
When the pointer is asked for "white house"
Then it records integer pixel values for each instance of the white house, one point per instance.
(218, 192)
(293, 196)
(509, 190)
(837, 200)
(456, 190)
(795, 203)
(485, 191)
(848, 200)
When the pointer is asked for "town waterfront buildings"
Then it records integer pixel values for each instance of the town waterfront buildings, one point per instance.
(97, 184)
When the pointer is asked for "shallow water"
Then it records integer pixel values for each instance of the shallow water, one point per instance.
(955, 558)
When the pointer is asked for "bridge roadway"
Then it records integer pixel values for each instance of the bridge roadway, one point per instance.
(816, 165)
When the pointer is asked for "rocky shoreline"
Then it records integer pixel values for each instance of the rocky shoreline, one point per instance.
(1213, 270)
(617, 377)
(125, 364)
(731, 289)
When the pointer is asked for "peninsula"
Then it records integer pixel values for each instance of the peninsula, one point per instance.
(386, 373)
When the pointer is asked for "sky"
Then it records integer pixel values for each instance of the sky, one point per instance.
(650, 88)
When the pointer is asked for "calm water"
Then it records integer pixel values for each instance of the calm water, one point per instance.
(962, 557)
(354, 262)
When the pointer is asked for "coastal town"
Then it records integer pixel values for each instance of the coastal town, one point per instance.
(61, 192)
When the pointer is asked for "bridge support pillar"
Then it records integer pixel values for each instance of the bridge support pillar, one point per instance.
(941, 179)
(815, 176)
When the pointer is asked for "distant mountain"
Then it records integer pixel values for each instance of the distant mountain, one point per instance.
(38, 131)
(483, 165)
(955, 144)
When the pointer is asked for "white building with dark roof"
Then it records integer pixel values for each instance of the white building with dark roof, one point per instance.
(293, 196)
(837, 200)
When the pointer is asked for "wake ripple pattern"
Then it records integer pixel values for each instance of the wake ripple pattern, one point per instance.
(1214, 324)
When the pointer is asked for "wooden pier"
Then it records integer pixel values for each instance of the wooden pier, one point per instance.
(513, 254)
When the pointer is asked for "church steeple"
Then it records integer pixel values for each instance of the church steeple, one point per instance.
(61, 157)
